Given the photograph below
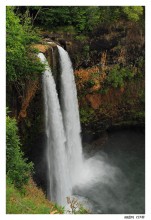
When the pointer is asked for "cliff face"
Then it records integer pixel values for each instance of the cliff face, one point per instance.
(111, 78)
(109, 73)
(102, 109)
(121, 43)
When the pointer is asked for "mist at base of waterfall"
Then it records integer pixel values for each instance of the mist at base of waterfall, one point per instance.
(99, 183)
(112, 180)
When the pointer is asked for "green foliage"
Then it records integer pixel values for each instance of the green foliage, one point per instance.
(133, 13)
(114, 13)
(109, 14)
(86, 51)
(54, 16)
(117, 76)
(140, 63)
(83, 18)
(82, 38)
(21, 59)
(95, 75)
(59, 208)
(142, 97)
(82, 210)
(89, 84)
(17, 168)
(137, 115)
(19, 203)
(87, 114)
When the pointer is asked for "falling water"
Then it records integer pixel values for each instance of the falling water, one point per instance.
(64, 148)
(70, 112)
(59, 184)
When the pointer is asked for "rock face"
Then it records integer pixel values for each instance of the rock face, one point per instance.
(51, 52)
(94, 100)
(103, 103)
(116, 107)
(49, 49)
(111, 88)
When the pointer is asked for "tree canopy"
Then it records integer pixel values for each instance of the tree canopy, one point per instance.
(21, 59)
(83, 18)
(17, 168)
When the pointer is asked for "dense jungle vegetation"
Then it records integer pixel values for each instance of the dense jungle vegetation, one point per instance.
(107, 50)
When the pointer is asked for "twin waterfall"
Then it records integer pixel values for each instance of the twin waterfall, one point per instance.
(62, 125)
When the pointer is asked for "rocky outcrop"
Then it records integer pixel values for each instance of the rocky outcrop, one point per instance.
(31, 89)
(51, 52)
(113, 108)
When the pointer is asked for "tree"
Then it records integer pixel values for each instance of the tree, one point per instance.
(133, 13)
(83, 18)
(17, 168)
(21, 59)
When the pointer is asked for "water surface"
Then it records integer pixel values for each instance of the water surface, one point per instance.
(114, 182)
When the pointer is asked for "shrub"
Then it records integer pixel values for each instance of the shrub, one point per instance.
(76, 207)
(117, 76)
(87, 114)
(133, 13)
(17, 168)
(21, 59)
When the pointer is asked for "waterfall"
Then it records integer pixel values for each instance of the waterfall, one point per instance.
(62, 125)
(59, 186)
(68, 172)
(70, 112)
